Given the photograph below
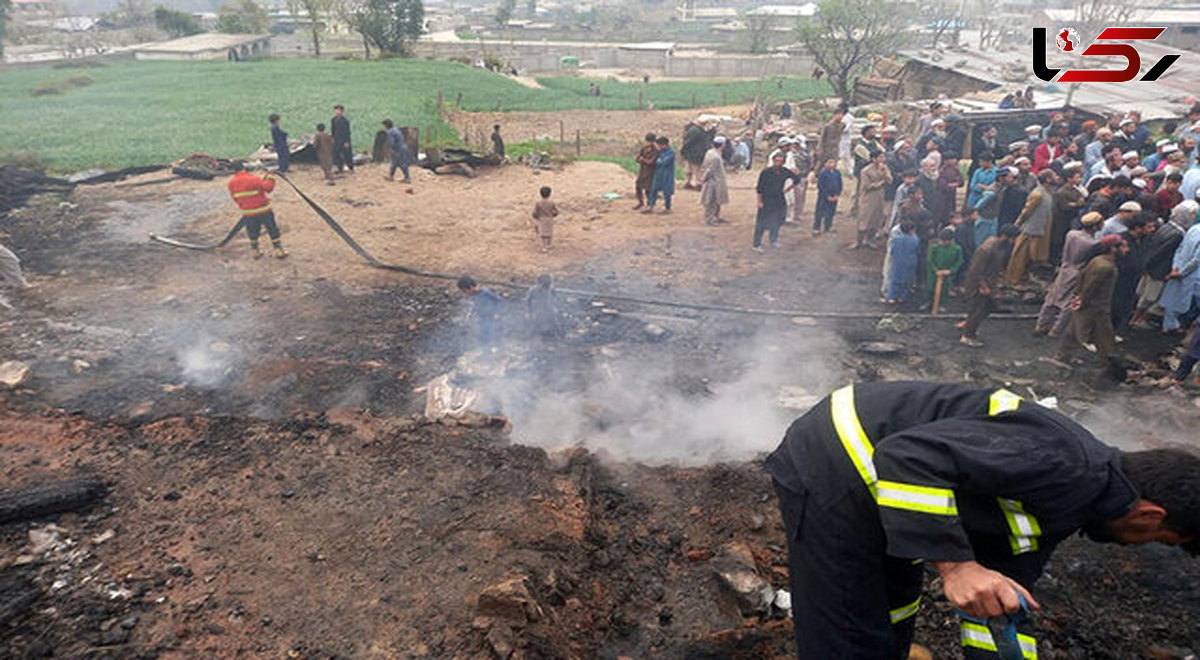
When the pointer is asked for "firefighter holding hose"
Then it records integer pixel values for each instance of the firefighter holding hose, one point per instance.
(879, 479)
(249, 192)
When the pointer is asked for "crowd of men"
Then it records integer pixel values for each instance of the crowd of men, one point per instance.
(1111, 205)
(1104, 210)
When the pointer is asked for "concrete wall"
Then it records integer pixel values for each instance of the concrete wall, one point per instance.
(737, 66)
(537, 57)
(534, 56)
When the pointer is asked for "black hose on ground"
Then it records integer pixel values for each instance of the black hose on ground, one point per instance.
(672, 304)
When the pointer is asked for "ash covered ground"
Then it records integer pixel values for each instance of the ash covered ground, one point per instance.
(275, 492)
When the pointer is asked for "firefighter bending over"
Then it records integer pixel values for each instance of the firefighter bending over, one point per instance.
(878, 478)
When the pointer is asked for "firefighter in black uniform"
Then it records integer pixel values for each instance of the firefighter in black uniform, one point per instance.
(878, 478)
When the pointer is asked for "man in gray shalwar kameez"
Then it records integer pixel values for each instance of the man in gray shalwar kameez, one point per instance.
(713, 190)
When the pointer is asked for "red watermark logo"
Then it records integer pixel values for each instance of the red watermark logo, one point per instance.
(1068, 42)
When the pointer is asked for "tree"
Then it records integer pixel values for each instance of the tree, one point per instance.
(176, 23)
(5, 6)
(505, 11)
(758, 32)
(315, 10)
(392, 26)
(1092, 16)
(243, 17)
(845, 36)
(942, 16)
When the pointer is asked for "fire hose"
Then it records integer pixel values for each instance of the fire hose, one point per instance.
(651, 302)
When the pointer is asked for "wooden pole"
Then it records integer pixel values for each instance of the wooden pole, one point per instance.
(578, 144)
(458, 102)
(639, 100)
(440, 102)
(562, 132)
(937, 293)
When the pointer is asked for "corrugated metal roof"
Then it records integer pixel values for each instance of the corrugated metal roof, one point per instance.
(1166, 17)
(1169, 96)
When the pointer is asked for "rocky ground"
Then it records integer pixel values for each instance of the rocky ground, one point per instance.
(274, 491)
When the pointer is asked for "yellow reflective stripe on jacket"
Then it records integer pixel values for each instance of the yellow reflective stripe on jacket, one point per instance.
(905, 612)
(925, 499)
(1024, 528)
(246, 193)
(1002, 401)
(977, 636)
(261, 209)
(854, 439)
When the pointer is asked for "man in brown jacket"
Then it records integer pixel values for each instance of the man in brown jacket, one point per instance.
(1092, 320)
(645, 160)
(986, 266)
(1033, 244)
(323, 143)
(831, 136)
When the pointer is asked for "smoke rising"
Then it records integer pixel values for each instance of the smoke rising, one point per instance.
(646, 403)
(205, 362)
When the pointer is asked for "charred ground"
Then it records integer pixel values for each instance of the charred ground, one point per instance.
(273, 491)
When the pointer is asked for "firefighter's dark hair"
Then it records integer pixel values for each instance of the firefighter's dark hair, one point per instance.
(466, 283)
(1169, 478)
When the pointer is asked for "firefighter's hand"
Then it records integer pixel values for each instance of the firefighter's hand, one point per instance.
(981, 592)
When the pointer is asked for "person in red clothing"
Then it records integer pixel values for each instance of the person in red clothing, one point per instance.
(249, 192)
(1168, 196)
(1046, 153)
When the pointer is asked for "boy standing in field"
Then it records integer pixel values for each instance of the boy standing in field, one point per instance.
(323, 144)
(646, 159)
(544, 212)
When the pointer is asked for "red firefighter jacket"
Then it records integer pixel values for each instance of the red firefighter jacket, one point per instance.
(249, 191)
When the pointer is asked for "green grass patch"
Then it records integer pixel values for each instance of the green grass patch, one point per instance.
(137, 113)
(515, 151)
